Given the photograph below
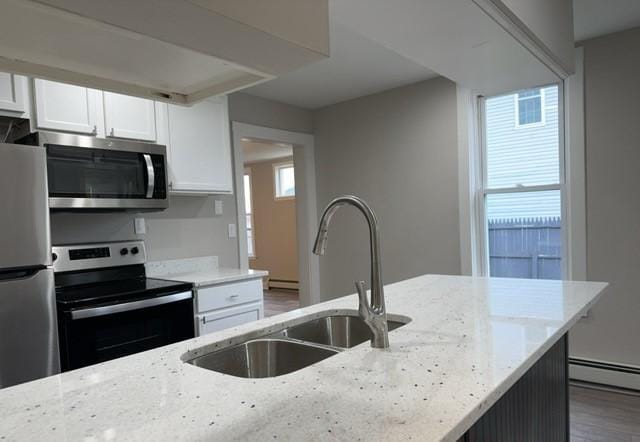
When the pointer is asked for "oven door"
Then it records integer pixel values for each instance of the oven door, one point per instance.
(90, 335)
(102, 178)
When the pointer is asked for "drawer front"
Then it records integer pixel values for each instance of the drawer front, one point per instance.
(228, 295)
(230, 317)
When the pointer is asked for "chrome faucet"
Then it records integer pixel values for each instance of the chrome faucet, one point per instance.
(374, 314)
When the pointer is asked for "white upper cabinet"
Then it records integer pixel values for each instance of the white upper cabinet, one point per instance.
(200, 147)
(65, 107)
(12, 93)
(129, 117)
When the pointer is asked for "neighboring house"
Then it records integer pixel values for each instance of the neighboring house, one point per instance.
(522, 129)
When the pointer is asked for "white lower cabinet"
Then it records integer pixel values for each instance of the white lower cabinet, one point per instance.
(228, 305)
(229, 317)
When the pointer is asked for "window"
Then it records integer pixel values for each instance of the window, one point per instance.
(523, 185)
(285, 181)
(248, 210)
(530, 107)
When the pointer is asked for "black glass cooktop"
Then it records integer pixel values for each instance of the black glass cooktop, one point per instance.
(118, 291)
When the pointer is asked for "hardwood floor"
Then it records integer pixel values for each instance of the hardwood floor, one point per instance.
(604, 416)
(278, 301)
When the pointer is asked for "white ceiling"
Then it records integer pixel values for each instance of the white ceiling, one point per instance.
(255, 151)
(593, 18)
(357, 67)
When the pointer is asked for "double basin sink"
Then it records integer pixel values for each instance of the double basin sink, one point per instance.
(291, 348)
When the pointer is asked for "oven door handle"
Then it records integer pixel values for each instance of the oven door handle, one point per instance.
(151, 175)
(129, 306)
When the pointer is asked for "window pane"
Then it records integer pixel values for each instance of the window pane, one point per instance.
(286, 181)
(247, 193)
(523, 155)
(524, 238)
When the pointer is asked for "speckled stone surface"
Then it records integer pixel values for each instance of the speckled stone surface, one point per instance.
(202, 271)
(182, 265)
(470, 339)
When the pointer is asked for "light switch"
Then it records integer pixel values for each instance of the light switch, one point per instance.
(218, 207)
(139, 226)
(232, 231)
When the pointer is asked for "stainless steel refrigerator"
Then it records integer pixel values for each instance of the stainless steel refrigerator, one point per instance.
(28, 323)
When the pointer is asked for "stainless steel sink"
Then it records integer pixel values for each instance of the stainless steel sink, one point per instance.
(263, 358)
(292, 348)
(344, 331)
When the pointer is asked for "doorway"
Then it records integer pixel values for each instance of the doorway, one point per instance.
(277, 165)
(270, 208)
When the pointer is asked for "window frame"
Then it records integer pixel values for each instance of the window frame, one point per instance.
(276, 178)
(248, 172)
(543, 106)
(482, 190)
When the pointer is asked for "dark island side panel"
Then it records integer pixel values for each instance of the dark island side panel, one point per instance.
(535, 409)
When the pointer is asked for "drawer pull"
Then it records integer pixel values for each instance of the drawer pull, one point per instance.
(232, 297)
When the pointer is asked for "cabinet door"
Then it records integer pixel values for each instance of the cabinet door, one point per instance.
(66, 107)
(228, 317)
(129, 117)
(200, 147)
(12, 93)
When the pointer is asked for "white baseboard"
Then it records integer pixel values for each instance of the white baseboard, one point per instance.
(605, 373)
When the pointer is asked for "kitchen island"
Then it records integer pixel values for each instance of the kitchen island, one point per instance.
(468, 345)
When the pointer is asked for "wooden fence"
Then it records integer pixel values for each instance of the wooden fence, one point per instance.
(525, 248)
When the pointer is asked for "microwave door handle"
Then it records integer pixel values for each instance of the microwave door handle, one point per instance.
(129, 306)
(151, 175)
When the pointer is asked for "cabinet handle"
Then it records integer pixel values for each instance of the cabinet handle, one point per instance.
(95, 129)
(111, 133)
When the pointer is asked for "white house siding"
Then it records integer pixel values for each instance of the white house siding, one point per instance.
(525, 155)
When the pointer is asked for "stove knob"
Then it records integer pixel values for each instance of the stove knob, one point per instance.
(124, 251)
(135, 251)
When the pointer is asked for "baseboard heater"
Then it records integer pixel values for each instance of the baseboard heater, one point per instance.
(283, 284)
(605, 373)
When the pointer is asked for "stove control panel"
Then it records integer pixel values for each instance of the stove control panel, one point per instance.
(73, 257)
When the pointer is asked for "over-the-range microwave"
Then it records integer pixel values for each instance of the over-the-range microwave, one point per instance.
(102, 174)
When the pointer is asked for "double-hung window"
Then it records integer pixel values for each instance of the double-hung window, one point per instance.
(521, 199)
(530, 107)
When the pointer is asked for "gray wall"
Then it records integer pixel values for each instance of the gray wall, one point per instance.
(188, 228)
(268, 113)
(398, 150)
(612, 94)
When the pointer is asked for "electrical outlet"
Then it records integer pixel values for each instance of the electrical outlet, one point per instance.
(232, 231)
(139, 226)
(217, 207)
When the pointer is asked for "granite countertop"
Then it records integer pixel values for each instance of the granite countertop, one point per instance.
(215, 276)
(470, 340)
(201, 271)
